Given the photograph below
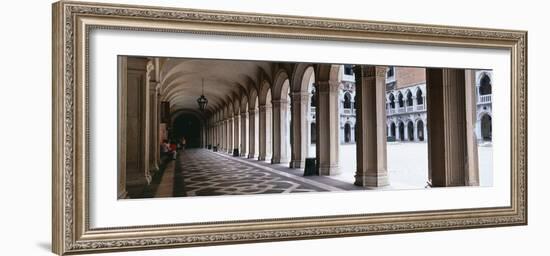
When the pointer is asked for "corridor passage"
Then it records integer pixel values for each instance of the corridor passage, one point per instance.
(200, 172)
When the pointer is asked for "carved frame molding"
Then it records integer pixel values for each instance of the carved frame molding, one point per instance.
(72, 23)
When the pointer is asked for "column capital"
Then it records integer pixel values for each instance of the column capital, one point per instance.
(300, 96)
(279, 103)
(154, 86)
(369, 71)
(328, 86)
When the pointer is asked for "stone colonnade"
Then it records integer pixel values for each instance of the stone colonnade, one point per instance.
(451, 120)
(254, 125)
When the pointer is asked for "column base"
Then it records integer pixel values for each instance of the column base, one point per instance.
(329, 170)
(123, 195)
(261, 158)
(252, 156)
(244, 154)
(154, 169)
(279, 161)
(371, 181)
(134, 186)
(297, 164)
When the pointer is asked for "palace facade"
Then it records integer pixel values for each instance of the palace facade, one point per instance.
(406, 105)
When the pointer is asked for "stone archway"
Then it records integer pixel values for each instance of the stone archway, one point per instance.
(281, 118)
(486, 127)
(392, 130)
(410, 130)
(420, 130)
(187, 126)
(347, 100)
(392, 101)
(419, 97)
(409, 98)
(347, 133)
(485, 85)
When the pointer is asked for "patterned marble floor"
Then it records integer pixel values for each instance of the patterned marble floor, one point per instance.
(199, 172)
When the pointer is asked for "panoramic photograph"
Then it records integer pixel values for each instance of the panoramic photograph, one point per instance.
(209, 127)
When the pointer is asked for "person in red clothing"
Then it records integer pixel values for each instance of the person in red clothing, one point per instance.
(165, 149)
(173, 149)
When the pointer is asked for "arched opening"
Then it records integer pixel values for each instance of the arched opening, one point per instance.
(355, 102)
(409, 99)
(268, 127)
(281, 119)
(392, 129)
(187, 126)
(244, 126)
(486, 127)
(485, 85)
(401, 131)
(410, 130)
(419, 97)
(347, 100)
(256, 127)
(312, 101)
(313, 134)
(420, 130)
(392, 101)
(309, 76)
(400, 100)
(347, 133)
(288, 122)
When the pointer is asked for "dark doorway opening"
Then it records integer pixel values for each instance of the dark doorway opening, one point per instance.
(187, 126)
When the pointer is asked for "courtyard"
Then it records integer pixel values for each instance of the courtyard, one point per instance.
(408, 164)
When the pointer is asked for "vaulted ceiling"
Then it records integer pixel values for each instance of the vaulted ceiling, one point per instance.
(181, 80)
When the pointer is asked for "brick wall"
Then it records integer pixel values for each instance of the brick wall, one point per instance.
(406, 76)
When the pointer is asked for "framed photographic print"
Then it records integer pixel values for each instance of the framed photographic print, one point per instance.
(178, 127)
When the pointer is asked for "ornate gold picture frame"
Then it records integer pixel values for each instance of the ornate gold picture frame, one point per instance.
(74, 21)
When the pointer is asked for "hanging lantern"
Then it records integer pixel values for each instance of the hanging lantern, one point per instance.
(202, 100)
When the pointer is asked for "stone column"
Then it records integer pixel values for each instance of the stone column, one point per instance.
(224, 136)
(146, 123)
(243, 147)
(236, 131)
(134, 132)
(371, 126)
(263, 133)
(405, 131)
(472, 166)
(452, 161)
(279, 132)
(215, 133)
(219, 140)
(252, 153)
(153, 91)
(230, 135)
(299, 109)
(157, 127)
(328, 125)
(415, 131)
